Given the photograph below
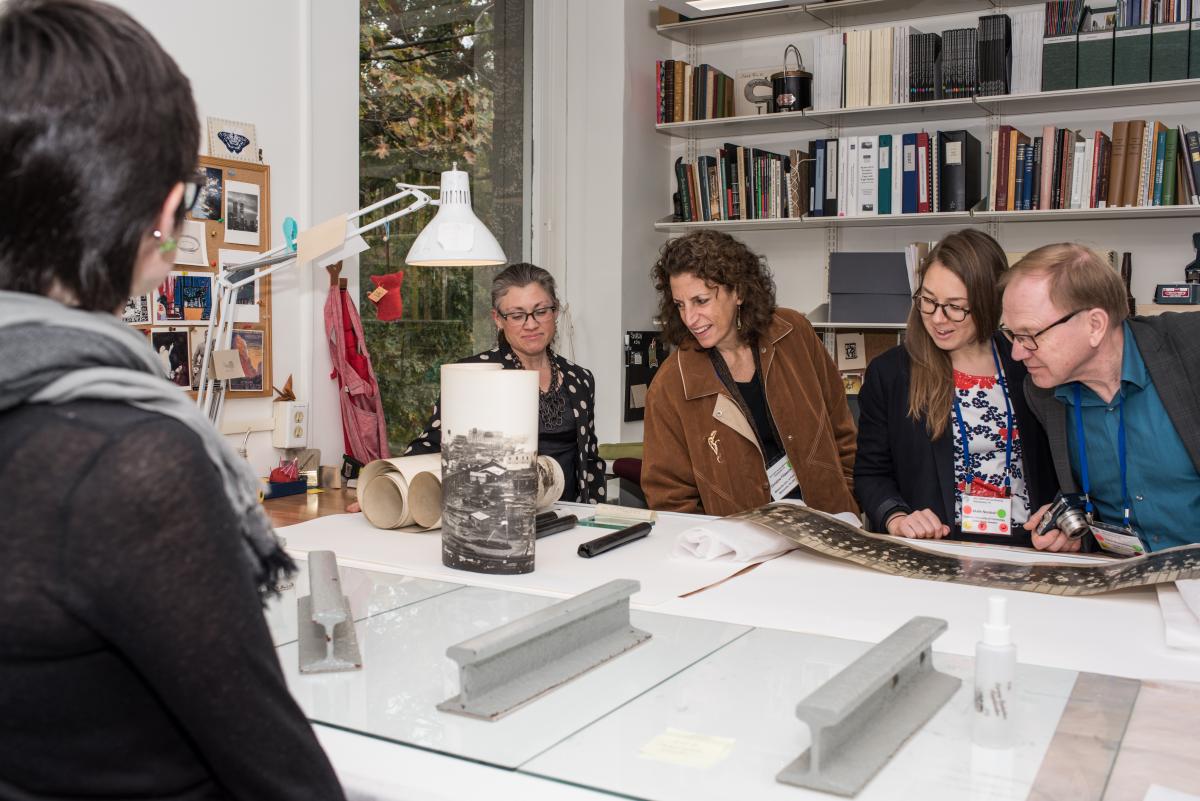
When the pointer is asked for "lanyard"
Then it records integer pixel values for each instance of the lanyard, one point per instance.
(1008, 440)
(1081, 447)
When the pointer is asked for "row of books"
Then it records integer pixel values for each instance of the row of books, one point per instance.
(1134, 41)
(1131, 13)
(1063, 17)
(1139, 164)
(884, 174)
(900, 64)
(873, 60)
(849, 176)
(685, 93)
(740, 183)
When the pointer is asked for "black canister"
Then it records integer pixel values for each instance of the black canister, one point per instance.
(791, 90)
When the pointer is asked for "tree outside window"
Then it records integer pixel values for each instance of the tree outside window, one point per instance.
(441, 82)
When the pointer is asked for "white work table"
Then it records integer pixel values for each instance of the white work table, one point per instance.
(1119, 633)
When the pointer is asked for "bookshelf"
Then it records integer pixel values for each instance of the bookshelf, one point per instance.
(813, 17)
(819, 319)
(941, 218)
(1097, 98)
(1158, 235)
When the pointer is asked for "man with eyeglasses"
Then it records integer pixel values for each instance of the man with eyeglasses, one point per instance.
(1119, 398)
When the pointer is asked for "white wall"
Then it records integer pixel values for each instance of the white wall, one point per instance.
(290, 68)
(596, 173)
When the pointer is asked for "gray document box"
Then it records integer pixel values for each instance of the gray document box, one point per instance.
(868, 288)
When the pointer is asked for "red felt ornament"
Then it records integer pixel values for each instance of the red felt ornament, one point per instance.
(388, 303)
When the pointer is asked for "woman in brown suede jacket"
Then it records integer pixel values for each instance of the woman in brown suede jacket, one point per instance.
(749, 408)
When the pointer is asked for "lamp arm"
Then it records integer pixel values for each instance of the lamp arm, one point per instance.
(220, 323)
(421, 200)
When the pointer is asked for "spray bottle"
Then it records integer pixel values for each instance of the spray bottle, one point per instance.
(995, 673)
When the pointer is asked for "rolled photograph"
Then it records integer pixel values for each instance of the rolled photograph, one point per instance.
(489, 468)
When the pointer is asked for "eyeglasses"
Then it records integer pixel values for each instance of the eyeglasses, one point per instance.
(927, 305)
(1029, 341)
(519, 317)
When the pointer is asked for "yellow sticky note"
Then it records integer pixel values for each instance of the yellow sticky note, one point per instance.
(315, 242)
(688, 749)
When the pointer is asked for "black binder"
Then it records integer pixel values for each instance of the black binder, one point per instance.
(959, 163)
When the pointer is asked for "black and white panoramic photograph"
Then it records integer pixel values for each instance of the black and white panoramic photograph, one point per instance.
(241, 213)
(489, 488)
(824, 534)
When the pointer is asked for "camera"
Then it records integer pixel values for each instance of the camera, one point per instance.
(1066, 513)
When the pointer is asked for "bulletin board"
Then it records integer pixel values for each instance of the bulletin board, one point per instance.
(229, 223)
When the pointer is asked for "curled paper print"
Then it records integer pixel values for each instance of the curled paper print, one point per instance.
(402, 492)
(489, 468)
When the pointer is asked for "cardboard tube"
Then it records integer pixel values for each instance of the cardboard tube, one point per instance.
(385, 501)
(408, 466)
(425, 500)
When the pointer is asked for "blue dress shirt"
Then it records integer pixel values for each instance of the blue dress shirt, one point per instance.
(1164, 487)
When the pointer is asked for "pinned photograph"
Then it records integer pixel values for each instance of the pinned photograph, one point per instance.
(852, 382)
(167, 308)
(183, 298)
(137, 310)
(249, 346)
(195, 293)
(172, 350)
(229, 139)
(241, 213)
(191, 249)
(208, 199)
(196, 353)
(851, 351)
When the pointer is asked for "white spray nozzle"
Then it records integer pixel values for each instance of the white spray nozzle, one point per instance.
(996, 630)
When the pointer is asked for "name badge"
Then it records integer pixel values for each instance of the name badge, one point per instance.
(1117, 540)
(782, 477)
(986, 515)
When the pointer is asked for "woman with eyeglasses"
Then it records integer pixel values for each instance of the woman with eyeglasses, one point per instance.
(136, 661)
(947, 447)
(749, 408)
(525, 310)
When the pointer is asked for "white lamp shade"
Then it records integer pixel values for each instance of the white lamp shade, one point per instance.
(455, 237)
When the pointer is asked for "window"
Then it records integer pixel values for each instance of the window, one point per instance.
(441, 81)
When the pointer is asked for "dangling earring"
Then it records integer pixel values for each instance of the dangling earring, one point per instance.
(738, 321)
(167, 244)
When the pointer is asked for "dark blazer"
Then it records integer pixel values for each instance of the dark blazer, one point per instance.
(899, 468)
(1170, 347)
(581, 394)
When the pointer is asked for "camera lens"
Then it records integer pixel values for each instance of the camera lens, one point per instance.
(1073, 523)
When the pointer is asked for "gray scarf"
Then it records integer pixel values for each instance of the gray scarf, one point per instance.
(44, 359)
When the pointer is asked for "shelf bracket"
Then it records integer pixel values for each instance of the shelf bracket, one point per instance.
(861, 717)
(515, 663)
(324, 623)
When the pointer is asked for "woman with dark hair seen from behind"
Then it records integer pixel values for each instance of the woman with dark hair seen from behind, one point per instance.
(136, 661)
(525, 309)
(750, 407)
(953, 381)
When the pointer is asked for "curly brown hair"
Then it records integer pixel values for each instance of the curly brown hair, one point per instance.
(715, 258)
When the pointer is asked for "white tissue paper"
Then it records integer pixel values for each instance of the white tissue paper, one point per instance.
(739, 540)
(1180, 606)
